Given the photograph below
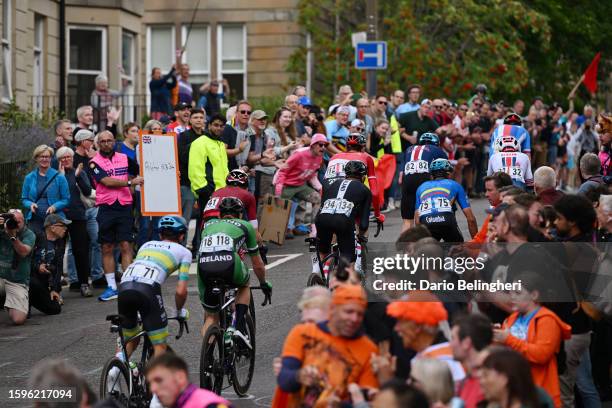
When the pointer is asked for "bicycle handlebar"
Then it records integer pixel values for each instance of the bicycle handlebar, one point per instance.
(267, 298)
(379, 227)
(182, 325)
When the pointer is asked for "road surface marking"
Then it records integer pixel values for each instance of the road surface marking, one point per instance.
(283, 258)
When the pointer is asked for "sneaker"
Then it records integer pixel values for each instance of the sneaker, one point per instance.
(75, 287)
(243, 337)
(86, 290)
(99, 283)
(289, 234)
(109, 294)
(385, 210)
(302, 229)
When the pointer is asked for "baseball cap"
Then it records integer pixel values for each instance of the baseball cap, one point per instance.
(53, 219)
(305, 101)
(258, 114)
(495, 211)
(343, 109)
(425, 101)
(181, 105)
(83, 134)
(318, 138)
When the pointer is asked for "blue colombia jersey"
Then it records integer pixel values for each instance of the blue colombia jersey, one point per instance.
(435, 198)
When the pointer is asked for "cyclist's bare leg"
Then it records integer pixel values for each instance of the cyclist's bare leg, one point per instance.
(159, 349)
(209, 320)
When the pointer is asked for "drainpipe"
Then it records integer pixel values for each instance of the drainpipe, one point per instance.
(62, 57)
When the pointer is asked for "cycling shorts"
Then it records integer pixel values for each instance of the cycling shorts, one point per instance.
(344, 228)
(443, 227)
(410, 184)
(141, 297)
(222, 266)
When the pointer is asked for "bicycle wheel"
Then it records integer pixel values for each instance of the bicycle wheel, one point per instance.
(364, 264)
(244, 360)
(211, 360)
(315, 280)
(252, 310)
(116, 382)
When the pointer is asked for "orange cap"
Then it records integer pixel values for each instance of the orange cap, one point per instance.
(422, 308)
(344, 294)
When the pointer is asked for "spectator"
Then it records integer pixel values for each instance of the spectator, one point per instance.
(587, 139)
(48, 264)
(397, 98)
(182, 111)
(62, 129)
(544, 183)
(153, 126)
(397, 394)
(185, 90)
(379, 141)
(434, 378)
(168, 379)
(535, 332)
(493, 184)
(363, 107)
(605, 138)
(415, 123)
(84, 151)
(85, 120)
(604, 218)
(78, 184)
(329, 355)
(130, 141)
(236, 136)
(16, 243)
(302, 117)
(299, 91)
(102, 99)
(414, 95)
(590, 170)
(337, 131)
(211, 98)
(259, 151)
(518, 107)
(160, 87)
(44, 191)
(506, 380)
(314, 304)
(344, 98)
(283, 134)
(481, 93)
(114, 176)
(51, 374)
(299, 170)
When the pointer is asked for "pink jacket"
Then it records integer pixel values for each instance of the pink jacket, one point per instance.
(302, 166)
(194, 397)
(117, 168)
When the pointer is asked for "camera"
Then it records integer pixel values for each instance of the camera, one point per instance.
(9, 220)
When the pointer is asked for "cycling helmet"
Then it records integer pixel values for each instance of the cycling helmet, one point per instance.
(513, 119)
(356, 139)
(507, 144)
(429, 138)
(440, 166)
(231, 206)
(355, 168)
(172, 223)
(238, 178)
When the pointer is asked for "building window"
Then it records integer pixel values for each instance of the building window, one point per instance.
(160, 52)
(231, 58)
(128, 51)
(87, 59)
(7, 60)
(197, 56)
(37, 71)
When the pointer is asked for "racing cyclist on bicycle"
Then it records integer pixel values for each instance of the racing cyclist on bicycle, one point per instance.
(416, 172)
(511, 161)
(356, 143)
(344, 201)
(140, 287)
(225, 241)
(513, 126)
(434, 203)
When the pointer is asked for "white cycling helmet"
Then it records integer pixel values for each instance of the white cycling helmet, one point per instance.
(507, 144)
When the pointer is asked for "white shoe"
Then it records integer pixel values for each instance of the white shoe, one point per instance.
(243, 337)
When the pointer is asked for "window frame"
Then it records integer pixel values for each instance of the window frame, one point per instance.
(7, 50)
(243, 71)
(184, 28)
(104, 60)
(38, 84)
(148, 56)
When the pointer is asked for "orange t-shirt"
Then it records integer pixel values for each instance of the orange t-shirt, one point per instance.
(340, 360)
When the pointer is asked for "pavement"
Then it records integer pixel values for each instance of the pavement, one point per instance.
(81, 334)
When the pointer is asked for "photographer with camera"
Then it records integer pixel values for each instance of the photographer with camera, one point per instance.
(48, 264)
(16, 243)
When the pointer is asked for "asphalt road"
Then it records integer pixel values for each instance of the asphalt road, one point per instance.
(81, 334)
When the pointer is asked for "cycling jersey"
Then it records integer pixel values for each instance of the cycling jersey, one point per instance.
(212, 207)
(156, 260)
(225, 241)
(435, 198)
(335, 170)
(519, 133)
(344, 201)
(516, 164)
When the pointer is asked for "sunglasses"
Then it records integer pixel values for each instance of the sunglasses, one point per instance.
(245, 112)
(478, 105)
(383, 103)
(359, 129)
(437, 107)
(320, 144)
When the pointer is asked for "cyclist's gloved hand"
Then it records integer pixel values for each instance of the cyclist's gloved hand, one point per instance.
(266, 288)
(183, 314)
(263, 252)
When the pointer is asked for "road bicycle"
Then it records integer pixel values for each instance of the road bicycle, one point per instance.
(129, 388)
(236, 358)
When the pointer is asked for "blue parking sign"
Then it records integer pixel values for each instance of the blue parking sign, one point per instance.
(371, 55)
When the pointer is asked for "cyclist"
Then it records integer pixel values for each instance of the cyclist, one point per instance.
(237, 186)
(344, 202)
(356, 143)
(512, 127)
(140, 288)
(416, 172)
(511, 161)
(225, 241)
(434, 202)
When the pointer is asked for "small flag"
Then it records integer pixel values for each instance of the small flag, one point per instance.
(590, 75)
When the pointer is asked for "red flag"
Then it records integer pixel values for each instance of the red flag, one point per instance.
(590, 75)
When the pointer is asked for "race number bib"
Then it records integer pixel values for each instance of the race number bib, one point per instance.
(337, 206)
(335, 168)
(439, 204)
(416, 166)
(515, 172)
(217, 243)
(212, 204)
(143, 273)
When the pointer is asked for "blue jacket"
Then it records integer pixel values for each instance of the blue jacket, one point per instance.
(58, 193)
(160, 92)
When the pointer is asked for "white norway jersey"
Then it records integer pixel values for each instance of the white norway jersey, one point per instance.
(516, 164)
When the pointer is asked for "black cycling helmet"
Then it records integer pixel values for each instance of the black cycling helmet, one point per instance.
(355, 168)
(173, 224)
(237, 178)
(513, 119)
(429, 138)
(356, 139)
(231, 206)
